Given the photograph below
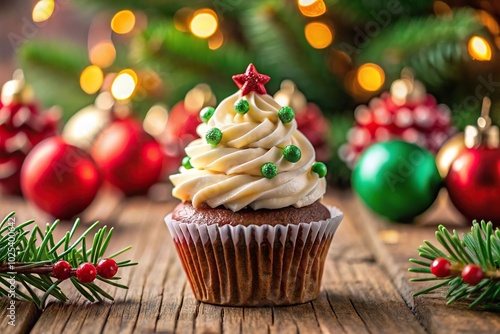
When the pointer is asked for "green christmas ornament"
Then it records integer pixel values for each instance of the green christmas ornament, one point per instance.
(396, 179)
(241, 106)
(286, 114)
(186, 162)
(206, 113)
(292, 153)
(269, 170)
(213, 136)
(319, 168)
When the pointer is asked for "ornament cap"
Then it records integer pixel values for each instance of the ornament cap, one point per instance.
(16, 90)
(289, 95)
(407, 89)
(484, 134)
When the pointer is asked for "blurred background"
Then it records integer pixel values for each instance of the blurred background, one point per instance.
(356, 71)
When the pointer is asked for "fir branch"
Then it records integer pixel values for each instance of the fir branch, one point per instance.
(184, 60)
(275, 31)
(29, 256)
(363, 10)
(435, 48)
(478, 247)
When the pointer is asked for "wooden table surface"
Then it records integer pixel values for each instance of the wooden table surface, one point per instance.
(365, 283)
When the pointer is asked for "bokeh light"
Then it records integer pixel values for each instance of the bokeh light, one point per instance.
(204, 23)
(124, 85)
(43, 10)
(318, 35)
(182, 18)
(479, 49)
(312, 8)
(216, 40)
(91, 79)
(123, 22)
(156, 120)
(103, 54)
(370, 77)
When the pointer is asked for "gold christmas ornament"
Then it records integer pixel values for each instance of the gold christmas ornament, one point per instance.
(485, 134)
(84, 126)
(16, 90)
(289, 95)
(449, 152)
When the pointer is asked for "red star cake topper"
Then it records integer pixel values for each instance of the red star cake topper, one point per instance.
(251, 80)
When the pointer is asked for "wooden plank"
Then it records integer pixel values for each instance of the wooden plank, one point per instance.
(393, 244)
(257, 320)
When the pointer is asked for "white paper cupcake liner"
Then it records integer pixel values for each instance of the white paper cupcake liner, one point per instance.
(255, 265)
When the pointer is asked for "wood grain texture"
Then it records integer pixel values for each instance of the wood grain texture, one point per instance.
(394, 244)
(365, 284)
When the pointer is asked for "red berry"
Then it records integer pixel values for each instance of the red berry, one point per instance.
(472, 274)
(107, 268)
(86, 272)
(61, 270)
(440, 267)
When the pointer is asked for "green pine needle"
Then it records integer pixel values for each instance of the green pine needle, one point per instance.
(28, 256)
(480, 246)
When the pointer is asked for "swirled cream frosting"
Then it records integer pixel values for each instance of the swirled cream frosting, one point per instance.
(230, 173)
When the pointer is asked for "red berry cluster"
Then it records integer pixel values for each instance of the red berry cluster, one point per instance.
(86, 272)
(471, 274)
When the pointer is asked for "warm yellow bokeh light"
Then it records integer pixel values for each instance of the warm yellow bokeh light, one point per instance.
(370, 77)
(123, 22)
(182, 18)
(43, 10)
(124, 85)
(318, 35)
(91, 79)
(479, 48)
(216, 40)
(312, 8)
(204, 23)
(103, 54)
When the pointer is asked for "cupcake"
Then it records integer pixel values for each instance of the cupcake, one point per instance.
(250, 230)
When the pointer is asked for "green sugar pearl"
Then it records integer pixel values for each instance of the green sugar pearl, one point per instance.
(213, 136)
(269, 170)
(186, 162)
(286, 114)
(292, 153)
(319, 168)
(241, 106)
(206, 113)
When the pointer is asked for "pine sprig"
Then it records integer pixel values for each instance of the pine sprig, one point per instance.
(28, 256)
(480, 247)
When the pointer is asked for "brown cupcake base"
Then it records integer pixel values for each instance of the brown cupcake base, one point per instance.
(254, 265)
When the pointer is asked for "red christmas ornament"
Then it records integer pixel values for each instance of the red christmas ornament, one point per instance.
(179, 131)
(59, 178)
(406, 113)
(250, 81)
(22, 126)
(129, 158)
(473, 181)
